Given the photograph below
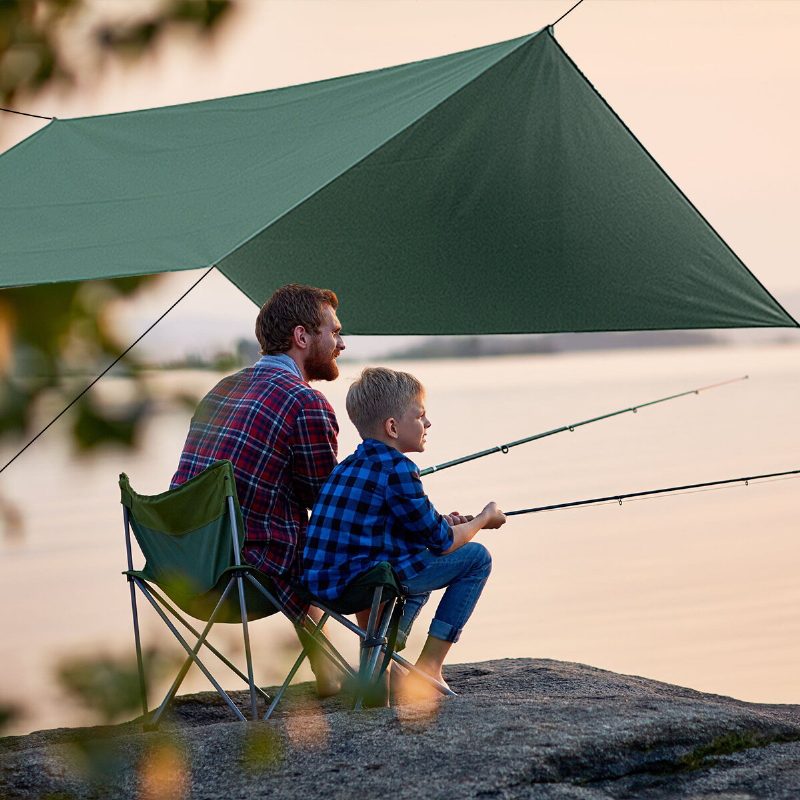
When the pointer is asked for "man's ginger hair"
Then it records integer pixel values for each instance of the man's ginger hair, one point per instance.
(290, 306)
(379, 394)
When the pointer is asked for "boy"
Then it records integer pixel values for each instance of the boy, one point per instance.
(373, 508)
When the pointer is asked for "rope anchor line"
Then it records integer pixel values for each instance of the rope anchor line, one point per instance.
(25, 113)
(105, 371)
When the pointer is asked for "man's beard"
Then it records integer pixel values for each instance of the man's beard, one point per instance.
(321, 364)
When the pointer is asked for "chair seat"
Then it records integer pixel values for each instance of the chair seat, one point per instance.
(201, 606)
(358, 594)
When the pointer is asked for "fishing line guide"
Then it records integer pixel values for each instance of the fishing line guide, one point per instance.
(504, 448)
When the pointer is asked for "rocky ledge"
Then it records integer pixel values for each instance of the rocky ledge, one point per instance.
(520, 728)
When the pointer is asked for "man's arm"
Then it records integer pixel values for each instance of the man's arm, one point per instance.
(314, 448)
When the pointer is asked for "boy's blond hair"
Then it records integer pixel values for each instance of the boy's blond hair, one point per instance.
(379, 394)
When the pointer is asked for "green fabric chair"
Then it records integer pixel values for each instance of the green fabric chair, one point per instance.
(191, 538)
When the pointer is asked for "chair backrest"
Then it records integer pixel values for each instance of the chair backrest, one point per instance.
(185, 533)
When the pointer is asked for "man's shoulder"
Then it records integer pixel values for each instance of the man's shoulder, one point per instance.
(265, 383)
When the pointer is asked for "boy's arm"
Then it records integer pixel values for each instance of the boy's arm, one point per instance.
(411, 508)
(490, 517)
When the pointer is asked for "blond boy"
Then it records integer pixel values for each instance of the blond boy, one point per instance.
(373, 508)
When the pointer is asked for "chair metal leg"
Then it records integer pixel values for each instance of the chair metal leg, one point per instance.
(173, 690)
(242, 606)
(382, 630)
(247, 654)
(351, 626)
(367, 644)
(139, 659)
(126, 522)
(186, 624)
(330, 652)
(192, 654)
(326, 647)
(293, 671)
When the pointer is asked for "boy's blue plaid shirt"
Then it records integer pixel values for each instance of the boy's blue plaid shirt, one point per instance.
(372, 508)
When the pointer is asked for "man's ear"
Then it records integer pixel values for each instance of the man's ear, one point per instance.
(300, 337)
(390, 427)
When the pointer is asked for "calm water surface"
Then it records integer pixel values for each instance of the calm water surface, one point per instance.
(700, 590)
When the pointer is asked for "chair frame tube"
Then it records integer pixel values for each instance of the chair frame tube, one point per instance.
(330, 652)
(173, 690)
(168, 622)
(366, 650)
(243, 609)
(395, 656)
(383, 627)
(293, 671)
(136, 636)
(186, 624)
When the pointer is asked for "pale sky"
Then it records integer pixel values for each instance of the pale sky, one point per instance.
(708, 86)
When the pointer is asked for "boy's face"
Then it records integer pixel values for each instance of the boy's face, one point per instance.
(411, 427)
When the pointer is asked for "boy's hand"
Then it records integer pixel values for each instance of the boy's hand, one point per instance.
(495, 518)
(454, 518)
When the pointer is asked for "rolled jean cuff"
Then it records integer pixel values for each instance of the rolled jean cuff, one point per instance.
(444, 631)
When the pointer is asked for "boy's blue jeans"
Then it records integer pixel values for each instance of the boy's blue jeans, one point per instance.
(464, 573)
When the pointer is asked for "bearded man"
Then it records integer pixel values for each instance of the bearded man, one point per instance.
(280, 435)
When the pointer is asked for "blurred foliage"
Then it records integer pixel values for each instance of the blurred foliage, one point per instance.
(9, 714)
(108, 686)
(164, 770)
(96, 757)
(54, 339)
(53, 43)
(57, 337)
(100, 762)
(262, 747)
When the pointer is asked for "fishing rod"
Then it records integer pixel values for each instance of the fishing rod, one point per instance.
(504, 448)
(650, 492)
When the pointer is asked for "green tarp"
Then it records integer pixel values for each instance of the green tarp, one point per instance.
(489, 191)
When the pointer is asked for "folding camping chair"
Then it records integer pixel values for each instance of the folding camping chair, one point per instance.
(379, 590)
(191, 537)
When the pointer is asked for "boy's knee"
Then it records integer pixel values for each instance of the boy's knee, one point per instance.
(481, 558)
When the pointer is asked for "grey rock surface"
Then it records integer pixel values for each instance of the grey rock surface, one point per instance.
(520, 728)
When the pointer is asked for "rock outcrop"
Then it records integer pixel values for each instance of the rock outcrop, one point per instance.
(520, 728)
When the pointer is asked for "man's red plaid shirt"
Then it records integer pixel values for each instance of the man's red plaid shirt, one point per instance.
(280, 435)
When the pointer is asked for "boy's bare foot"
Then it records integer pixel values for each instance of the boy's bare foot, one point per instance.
(413, 688)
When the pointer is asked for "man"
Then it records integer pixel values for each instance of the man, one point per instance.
(280, 435)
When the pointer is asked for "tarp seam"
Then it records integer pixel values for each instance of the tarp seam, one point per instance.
(219, 261)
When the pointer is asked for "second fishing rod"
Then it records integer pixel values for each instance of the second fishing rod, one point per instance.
(504, 448)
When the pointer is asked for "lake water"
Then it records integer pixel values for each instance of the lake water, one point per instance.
(700, 590)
